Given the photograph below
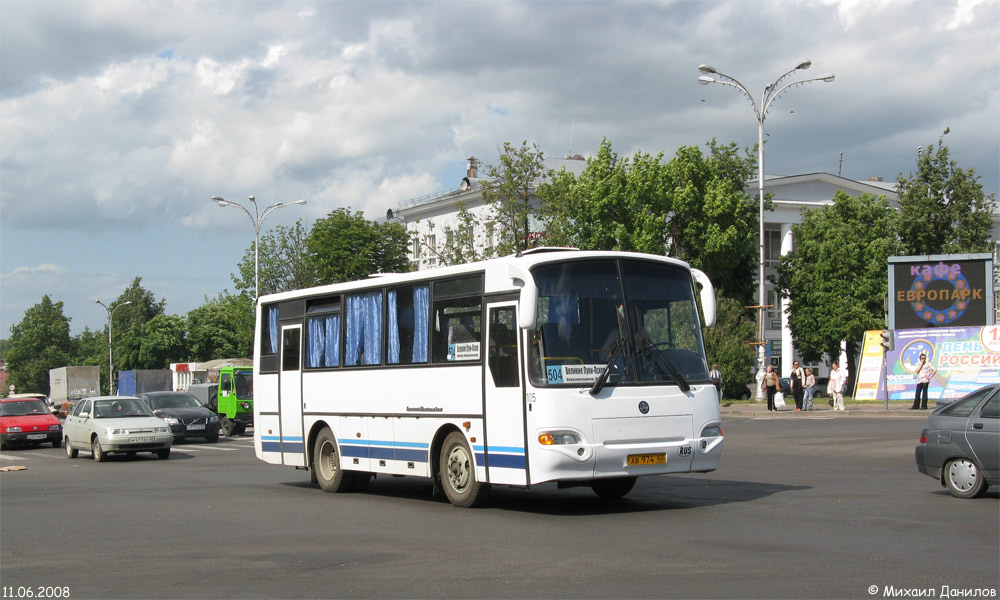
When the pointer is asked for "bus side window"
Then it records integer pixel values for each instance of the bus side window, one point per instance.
(503, 347)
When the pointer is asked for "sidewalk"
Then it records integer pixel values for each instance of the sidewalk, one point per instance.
(820, 407)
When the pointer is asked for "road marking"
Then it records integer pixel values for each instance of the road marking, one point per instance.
(7, 457)
(200, 448)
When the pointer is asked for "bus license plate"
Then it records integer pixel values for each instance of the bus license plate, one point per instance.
(647, 459)
(140, 440)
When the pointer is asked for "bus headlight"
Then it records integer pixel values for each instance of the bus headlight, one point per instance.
(712, 431)
(558, 439)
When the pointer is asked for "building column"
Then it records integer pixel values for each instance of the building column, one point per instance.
(787, 349)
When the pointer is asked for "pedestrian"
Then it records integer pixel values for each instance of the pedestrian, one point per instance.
(807, 401)
(838, 379)
(770, 385)
(925, 372)
(716, 378)
(798, 382)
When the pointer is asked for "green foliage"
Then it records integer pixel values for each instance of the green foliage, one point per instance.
(283, 262)
(693, 208)
(460, 244)
(163, 342)
(726, 345)
(90, 349)
(942, 207)
(38, 343)
(835, 278)
(222, 327)
(344, 246)
(128, 324)
(509, 190)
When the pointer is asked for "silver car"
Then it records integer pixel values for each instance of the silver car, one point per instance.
(960, 443)
(109, 424)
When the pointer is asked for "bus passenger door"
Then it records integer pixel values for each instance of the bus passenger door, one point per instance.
(290, 397)
(505, 438)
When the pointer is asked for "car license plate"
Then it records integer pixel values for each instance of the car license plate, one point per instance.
(647, 459)
(37, 436)
(140, 440)
(197, 426)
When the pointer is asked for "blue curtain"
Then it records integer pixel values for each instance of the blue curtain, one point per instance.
(332, 340)
(373, 328)
(421, 311)
(272, 329)
(315, 337)
(363, 341)
(393, 325)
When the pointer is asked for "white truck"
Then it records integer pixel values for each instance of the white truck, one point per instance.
(67, 385)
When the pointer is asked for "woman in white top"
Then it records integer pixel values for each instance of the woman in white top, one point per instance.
(838, 379)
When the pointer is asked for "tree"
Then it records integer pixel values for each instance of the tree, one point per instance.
(344, 246)
(509, 190)
(163, 341)
(38, 343)
(942, 207)
(460, 244)
(90, 348)
(222, 327)
(129, 321)
(693, 208)
(283, 259)
(726, 344)
(835, 277)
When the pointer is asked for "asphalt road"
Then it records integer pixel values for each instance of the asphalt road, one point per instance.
(818, 507)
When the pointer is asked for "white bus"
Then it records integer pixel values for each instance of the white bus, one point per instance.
(559, 365)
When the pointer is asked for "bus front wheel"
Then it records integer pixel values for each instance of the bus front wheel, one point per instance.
(613, 489)
(458, 473)
(326, 465)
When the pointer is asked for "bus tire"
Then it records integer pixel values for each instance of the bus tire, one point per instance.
(458, 473)
(326, 465)
(613, 489)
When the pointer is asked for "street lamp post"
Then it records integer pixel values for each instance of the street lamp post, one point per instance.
(111, 367)
(769, 95)
(256, 219)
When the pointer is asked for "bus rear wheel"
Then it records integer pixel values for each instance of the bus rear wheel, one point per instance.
(458, 473)
(613, 489)
(326, 465)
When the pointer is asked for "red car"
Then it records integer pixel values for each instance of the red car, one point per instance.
(28, 421)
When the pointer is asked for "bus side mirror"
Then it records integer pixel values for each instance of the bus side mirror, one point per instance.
(528, 300)
(707, 296)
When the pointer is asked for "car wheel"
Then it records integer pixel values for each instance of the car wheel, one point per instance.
(613, 489)
(71, 452)
(56, 443)
(97, 451)
(964, 479)
(163, 454)
(326, 465)
(458, 473)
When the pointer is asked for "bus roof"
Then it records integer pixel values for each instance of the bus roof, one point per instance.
(496, 270)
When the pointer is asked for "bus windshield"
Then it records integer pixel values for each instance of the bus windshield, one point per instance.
(637, 318)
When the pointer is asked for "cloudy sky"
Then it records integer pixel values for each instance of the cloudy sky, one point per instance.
(120, 119)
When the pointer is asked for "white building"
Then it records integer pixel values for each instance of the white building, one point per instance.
(426, 217)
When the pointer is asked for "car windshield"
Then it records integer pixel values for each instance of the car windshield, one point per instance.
(125, 407)
(173, 401)
(244, 385)
(640, 317)
(22, 408)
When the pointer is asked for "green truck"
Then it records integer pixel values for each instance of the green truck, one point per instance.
(230, 396)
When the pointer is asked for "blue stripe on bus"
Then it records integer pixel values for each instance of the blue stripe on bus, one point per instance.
(509, 461)
(270, 446)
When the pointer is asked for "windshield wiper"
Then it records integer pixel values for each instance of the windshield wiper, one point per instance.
(666, 367)
(602, 379)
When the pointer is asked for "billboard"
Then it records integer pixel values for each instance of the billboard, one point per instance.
(947, 290)
(966, 359)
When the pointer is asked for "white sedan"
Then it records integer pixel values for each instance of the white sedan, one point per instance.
(121, 424)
